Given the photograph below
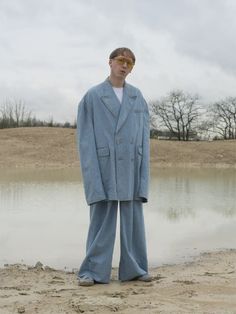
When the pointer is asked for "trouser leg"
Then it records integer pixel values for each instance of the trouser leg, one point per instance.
(133, 260)
(100, 241)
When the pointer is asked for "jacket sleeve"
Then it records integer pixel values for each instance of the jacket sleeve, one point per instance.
(145, 168)
(89, 164)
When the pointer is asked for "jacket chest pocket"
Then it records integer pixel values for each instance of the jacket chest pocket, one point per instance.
(103, 151)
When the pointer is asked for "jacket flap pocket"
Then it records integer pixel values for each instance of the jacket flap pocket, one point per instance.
(140, 150)
(103, 151)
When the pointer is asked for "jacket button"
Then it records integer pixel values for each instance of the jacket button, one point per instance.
(118, 140)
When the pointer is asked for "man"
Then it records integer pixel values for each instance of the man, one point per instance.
(113, 141)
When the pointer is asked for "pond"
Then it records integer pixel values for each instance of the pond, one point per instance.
(44, 216)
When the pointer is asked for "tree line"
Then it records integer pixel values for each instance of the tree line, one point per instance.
(14, 114)
(177, 116)
(181, 116)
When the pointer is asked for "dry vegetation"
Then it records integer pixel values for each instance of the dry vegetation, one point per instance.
(45, 147)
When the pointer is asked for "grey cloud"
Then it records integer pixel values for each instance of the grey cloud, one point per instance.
(202, 29)
(52, 51)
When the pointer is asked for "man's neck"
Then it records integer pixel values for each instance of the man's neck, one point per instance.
(115, 82)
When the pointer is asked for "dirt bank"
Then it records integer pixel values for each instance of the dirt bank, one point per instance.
(56, 148)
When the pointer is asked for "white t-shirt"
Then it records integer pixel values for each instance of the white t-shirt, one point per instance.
(119, 92)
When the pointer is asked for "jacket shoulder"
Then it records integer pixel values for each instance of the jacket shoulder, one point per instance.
(135, 92)
(96, 88)
(91, 94)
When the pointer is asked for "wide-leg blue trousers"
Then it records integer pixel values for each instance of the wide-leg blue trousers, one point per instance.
(101, 238)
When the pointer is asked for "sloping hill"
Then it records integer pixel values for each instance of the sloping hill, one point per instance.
(56, 148)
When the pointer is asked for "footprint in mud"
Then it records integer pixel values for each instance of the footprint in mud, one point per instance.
(157, 277)
(45, 291)
(116, 294)
(91, 304)
(77, 307)
(138, 291)
(188, 293)
(57, 280)
(146, 284)
(186, 282)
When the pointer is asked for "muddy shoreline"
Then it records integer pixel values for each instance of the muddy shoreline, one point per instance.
(205, 285)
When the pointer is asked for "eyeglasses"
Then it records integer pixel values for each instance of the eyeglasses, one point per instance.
(122, 60)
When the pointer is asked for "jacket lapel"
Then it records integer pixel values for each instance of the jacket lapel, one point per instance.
(128, 103)
(119, 111)
(110, 100)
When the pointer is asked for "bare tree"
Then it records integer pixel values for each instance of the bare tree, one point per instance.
(19, 112)
(13, 113)
(178, 112)
(224, 117)
(6, 115)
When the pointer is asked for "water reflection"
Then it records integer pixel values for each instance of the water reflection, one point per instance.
(44, 216)
(180, 193)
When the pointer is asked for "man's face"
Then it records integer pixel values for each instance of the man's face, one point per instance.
(121, 66)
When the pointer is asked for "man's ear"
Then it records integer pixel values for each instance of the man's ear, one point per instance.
(110, 61)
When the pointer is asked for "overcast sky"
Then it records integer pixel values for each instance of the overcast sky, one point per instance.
(52, 51)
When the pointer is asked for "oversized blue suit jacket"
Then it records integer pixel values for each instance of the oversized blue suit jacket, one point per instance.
(113, 143)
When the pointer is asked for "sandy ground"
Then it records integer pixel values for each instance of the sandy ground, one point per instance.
(206, 285)
(56, 148)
